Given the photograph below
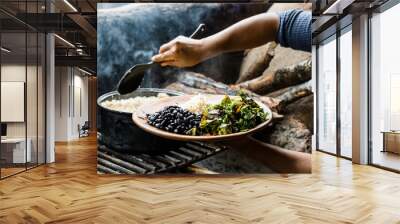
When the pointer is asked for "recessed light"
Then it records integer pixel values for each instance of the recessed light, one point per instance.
(84, 71)
(338, 6)
(70, 5)
(5, 50)
(64, 40)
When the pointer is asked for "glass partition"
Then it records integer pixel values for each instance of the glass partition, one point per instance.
(327, 96)
(385, 89)
(22, 92)
(14, 145)
(32, 98)
(346, 93)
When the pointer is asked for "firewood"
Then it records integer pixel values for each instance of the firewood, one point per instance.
(282, 78)
(290, 134)
(285, 57)
(256, 60)
(278, 7)
(200, 81)
(290, 94)
(193, 83)
(180, 87)
(294, 131)
(303, 110)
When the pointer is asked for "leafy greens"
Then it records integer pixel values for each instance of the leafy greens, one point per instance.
(231, 115)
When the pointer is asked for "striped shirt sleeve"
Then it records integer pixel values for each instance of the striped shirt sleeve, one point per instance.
(295, 29)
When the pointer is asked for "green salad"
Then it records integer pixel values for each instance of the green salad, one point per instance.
(231, 115)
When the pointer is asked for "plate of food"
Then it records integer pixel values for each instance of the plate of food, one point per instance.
(203, 117)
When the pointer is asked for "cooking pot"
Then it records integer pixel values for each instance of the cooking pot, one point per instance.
(118, 131)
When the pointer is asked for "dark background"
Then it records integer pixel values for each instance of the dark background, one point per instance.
(132, 33)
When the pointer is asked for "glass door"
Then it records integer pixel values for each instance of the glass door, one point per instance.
(35, 89)
(14, 153)
(22, 77)
(385, 89)
(32, 98)
(345, 92)
(327, 96)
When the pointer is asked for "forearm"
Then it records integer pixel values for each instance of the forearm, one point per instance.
(278, 159)
(248, 33)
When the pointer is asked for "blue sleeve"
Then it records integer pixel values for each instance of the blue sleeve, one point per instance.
(295, 29)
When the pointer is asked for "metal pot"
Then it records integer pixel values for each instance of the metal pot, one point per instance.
(120, 133)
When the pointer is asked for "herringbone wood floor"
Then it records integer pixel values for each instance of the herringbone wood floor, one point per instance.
(70, 191)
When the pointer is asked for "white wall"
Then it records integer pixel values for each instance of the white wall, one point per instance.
(17, 72)
(80, 110)
(314, 89)
(61, 103)
(70, 83)
(9, 73)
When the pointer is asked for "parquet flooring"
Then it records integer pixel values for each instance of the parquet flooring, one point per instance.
(70, 191)
(11, 170)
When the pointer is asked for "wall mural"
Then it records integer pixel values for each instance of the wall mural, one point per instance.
(186, 119)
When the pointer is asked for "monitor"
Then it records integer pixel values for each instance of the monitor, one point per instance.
(3, 129)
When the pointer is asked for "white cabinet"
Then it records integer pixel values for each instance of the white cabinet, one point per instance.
(16, 147)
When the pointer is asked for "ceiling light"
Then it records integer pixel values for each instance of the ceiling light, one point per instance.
(80, 51)
(338, 6)
(70, 5)
(5, 50)
(64, 40)
(84, 71)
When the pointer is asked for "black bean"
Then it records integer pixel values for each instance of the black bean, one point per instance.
(174, 119)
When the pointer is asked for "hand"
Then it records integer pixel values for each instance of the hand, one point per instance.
(275, 157)
(180, 52)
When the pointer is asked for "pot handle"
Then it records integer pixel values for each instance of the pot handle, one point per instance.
(200, 29)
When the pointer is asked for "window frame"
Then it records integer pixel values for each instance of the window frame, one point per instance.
(379, 10)
(334, 37)
(340, 30)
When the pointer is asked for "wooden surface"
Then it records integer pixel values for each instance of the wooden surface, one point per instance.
(386, 159)
(391, 142)
(139, 118)
(70, 191)
(10, 171)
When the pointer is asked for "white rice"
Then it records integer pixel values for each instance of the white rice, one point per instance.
(196, 104)
(130, 105)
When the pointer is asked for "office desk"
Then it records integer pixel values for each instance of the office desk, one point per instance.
(13, 150)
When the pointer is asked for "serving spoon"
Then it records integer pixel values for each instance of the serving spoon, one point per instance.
(132, 78)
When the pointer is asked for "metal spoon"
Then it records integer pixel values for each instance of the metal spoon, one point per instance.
(132, 78)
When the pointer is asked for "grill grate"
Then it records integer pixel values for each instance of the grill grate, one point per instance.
(113, 162)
